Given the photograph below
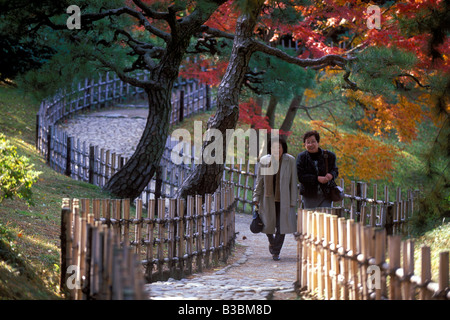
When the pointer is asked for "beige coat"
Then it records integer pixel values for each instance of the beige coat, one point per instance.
(288, 195)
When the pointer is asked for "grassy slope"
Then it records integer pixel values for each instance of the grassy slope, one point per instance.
(29, 236)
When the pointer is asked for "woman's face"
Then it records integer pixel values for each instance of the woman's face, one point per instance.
(279, 147)
(311, 144)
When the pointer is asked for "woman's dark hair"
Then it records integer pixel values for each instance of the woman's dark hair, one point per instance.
(280, 141)
(310, 134)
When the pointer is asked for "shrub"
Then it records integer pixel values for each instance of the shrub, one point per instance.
(16, 173)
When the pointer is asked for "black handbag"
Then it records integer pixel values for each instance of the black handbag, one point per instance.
(336, 192)
(257, 224)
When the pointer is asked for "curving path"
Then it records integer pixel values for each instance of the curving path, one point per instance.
(253, 275)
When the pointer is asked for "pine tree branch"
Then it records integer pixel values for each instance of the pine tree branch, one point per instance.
(91, 17)
(328, 60)
(122, 73)
(415, 79)
(149, 12)
(216, 32)
(144, 49)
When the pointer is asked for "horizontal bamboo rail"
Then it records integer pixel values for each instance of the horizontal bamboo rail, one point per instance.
(171, 239)
(341, 259)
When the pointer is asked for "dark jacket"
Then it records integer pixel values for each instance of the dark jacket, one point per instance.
(307, 172)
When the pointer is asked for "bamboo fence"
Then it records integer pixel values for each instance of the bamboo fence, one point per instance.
(172, 238)
(341, 259)
(103, 270)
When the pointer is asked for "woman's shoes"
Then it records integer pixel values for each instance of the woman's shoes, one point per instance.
(275, 256)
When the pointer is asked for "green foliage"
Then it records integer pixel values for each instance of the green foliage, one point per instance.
(435, 204)
(281, 79)
(16, 173)
(376, 68)
(63, 57)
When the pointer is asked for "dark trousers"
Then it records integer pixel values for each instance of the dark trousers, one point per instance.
(276, 240)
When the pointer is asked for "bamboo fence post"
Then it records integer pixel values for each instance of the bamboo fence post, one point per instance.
(94, 281)
(342, 255)
(107, 165)
(75, 249)
(305, 250)
(299, 247)
(351, 245)
(108, 263)
(363, 260)
(394, 263)
(233, 215)
(96, 211)
(219, 208)
(151, 237)
(182, 233)
(207, 228)
(223, 226)
(327, 256)
(353, 201)
(116, 204)
(398, 210)
(116, 273)
(374, 206)
(443, 281)
(246, 184)
(171, 237)
(161, 235)
(126, 221)
(425, 273)
(408, 269)
(379, 259)
(106, 211)
(83, 232)
(190, 231)
(66, 241)
(364, 204)
(87, 287)
(90, 214)
(101, 260)
(319, 248)
(199, 231)
(335, 257)
(138, 226)
(310, 260)
(313, 253)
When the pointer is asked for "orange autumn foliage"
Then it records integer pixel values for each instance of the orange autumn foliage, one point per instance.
(382, 117)
(359, 155)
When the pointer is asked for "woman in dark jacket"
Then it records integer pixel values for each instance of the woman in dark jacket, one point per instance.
(311, 172)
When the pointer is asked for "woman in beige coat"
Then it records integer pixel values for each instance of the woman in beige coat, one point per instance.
(276, 194)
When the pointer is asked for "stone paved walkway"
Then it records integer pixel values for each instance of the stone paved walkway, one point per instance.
(254, 275)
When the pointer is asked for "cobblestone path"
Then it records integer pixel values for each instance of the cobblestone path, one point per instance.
(253, 275)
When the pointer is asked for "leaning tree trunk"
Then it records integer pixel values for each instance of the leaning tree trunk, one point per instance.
(135, 175)
(206, 178)
(290, 115)
(137, 172)
(270, 113)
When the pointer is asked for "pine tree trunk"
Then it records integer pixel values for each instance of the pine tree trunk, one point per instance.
(290, 115)
(135, 175)
(270, 113)
(206, 178)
